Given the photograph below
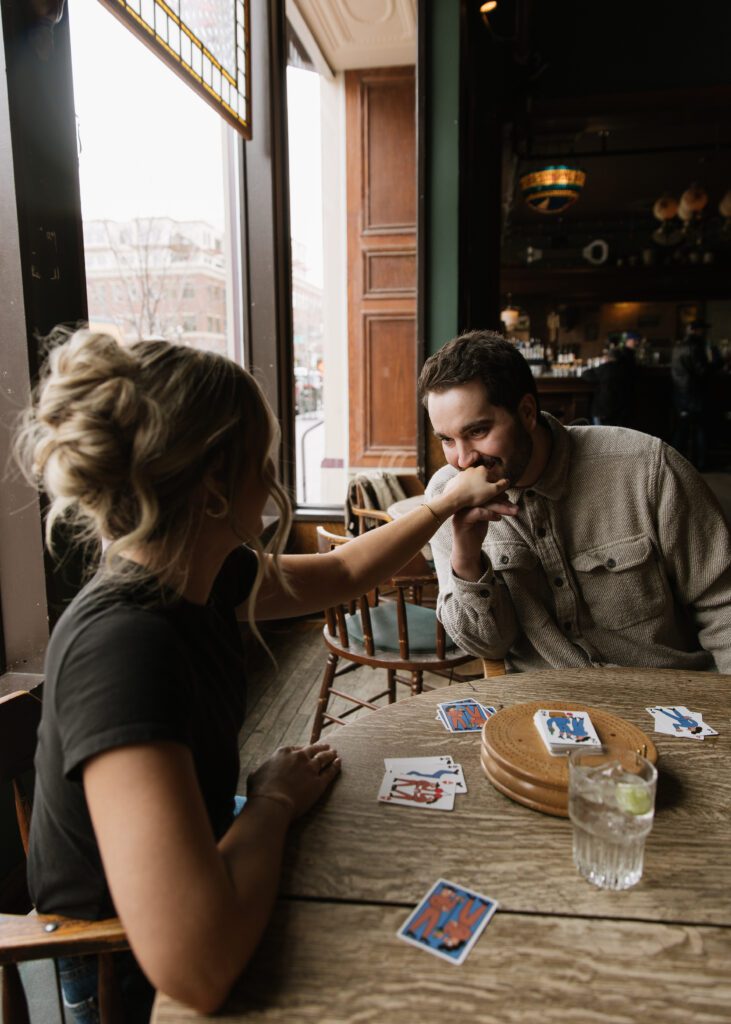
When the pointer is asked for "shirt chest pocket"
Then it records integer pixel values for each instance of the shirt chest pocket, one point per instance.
(620, 582)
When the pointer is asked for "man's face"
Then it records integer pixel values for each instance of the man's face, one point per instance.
(475, 433)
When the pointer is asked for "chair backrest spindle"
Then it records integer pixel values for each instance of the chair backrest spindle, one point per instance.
(367, 628)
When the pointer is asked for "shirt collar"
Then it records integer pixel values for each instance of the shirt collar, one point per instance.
(553, 481)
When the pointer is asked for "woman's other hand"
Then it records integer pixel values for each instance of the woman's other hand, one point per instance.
(297, 776)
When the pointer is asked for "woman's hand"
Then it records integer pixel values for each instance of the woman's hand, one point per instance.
(470, 488)
(297, 776)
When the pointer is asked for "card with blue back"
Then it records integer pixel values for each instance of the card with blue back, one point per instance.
(448, 921)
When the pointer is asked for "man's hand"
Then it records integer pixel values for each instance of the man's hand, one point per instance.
(469, 529)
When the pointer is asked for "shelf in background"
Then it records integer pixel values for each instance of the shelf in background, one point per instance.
(619, 284)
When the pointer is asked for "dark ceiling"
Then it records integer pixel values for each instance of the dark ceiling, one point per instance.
(637, 95)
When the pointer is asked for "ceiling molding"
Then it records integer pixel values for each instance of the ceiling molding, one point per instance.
(362, 33)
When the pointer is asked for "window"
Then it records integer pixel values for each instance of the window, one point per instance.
(318, 299)
(153, 205)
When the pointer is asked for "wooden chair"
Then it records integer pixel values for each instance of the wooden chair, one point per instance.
(400, 636)
(369, 518)
(41, 936)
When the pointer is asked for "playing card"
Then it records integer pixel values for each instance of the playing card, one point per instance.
(448, 921)
(464, 715)
(432, 794)
(677, 720)
(463, 700)
(563, 730)
(439, 768)
(696, 715)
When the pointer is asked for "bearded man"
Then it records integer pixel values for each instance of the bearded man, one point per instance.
(606, 547)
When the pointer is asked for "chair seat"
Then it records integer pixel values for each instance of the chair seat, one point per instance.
(419, 646)
(384, 623)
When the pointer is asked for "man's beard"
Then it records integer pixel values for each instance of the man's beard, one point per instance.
(515, 465)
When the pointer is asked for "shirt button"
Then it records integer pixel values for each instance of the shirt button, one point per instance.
(530, 494)
(610, 563)
(558, 581)
(504, 559)
(484, 593)
(540, 532)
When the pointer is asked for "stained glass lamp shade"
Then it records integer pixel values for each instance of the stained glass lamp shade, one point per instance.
(552, 189)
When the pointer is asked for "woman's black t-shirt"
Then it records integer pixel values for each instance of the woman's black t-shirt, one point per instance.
(122, 668)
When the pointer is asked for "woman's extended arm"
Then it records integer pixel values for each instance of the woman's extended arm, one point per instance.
(319, 581)
(194, 911)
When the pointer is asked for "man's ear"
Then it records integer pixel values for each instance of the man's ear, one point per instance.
(528, 412)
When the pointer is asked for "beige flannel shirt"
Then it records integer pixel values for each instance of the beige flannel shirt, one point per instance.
(619, 555)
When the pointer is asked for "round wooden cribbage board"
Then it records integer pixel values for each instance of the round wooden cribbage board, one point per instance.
(517, 763)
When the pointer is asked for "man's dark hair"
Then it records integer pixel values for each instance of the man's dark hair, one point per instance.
(484, 356)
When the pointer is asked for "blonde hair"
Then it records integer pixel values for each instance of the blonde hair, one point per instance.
(121, 439)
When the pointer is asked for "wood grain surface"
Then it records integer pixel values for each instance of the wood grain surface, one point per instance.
(330, 963)
(350, 847)
(24, 936)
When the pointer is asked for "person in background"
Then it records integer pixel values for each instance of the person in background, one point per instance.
(628, 347)
(618, 554)
(163, 456)
(691, 371)
(614, 379)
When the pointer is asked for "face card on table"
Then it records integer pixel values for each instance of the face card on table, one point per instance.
(438, 768)
(448, 921)
(426, 794)
(677, 720)
(464, 715)
(565, 728)
(462, 700)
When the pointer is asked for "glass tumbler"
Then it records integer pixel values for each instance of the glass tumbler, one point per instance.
(611, 806)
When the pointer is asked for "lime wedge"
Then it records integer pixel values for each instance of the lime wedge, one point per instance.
(633, 798)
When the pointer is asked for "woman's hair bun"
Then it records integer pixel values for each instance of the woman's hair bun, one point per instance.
(88, 410)
(89, 372)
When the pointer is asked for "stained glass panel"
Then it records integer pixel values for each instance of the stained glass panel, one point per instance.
(205, 41)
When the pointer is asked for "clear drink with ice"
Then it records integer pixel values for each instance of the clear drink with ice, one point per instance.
(611, 806)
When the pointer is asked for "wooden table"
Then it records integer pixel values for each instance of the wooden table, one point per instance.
(558, 948)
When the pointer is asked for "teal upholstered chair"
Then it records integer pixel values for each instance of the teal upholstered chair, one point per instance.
(399, 635)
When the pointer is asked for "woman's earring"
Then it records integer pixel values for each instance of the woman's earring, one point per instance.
(220, 513)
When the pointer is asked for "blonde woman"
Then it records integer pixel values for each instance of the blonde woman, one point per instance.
(162, 455)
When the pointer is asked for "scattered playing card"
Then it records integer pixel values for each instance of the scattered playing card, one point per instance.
(440, 767)
(562, 731)
(677, 720)
(433, 794)
(448, 921)
(463, 715)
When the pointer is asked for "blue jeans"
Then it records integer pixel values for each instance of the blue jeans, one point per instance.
(78, 978)
(79, 985)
